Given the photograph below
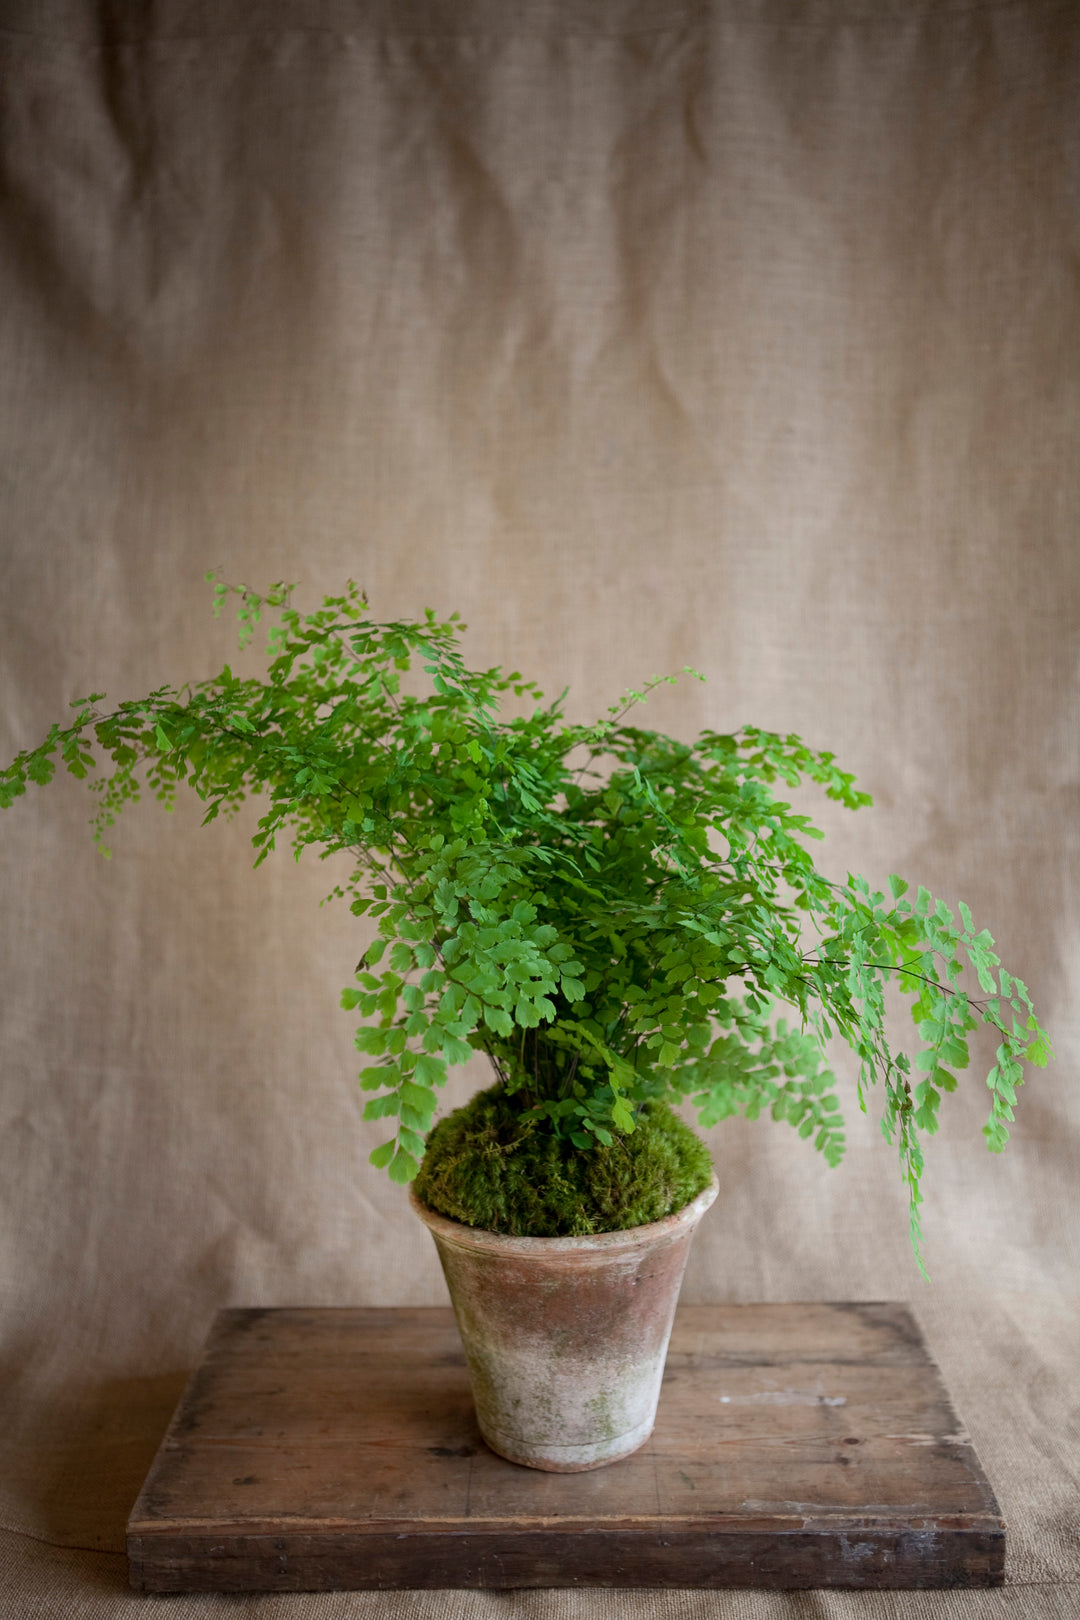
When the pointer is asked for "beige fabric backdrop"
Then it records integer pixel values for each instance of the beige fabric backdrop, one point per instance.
(645, 334)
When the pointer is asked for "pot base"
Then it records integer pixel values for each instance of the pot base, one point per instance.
(567, 1459)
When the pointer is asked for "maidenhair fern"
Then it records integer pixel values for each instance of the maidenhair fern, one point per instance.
(612, 915)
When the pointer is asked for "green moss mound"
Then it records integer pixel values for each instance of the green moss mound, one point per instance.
(487, 1167)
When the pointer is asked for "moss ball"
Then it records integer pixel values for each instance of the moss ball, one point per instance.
(487, 1167)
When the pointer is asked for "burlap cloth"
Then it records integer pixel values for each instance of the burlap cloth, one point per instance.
(644, 334)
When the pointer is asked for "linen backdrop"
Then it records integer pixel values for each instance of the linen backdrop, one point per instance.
(644, 333)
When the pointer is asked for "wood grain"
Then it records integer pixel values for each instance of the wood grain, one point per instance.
(796, 1446)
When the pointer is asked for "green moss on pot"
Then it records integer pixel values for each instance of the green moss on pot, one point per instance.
(487, 1167)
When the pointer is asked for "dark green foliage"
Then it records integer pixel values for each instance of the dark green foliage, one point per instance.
(610, 914)
(488, 1165)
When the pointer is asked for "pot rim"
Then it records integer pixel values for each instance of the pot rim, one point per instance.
(627, 1237)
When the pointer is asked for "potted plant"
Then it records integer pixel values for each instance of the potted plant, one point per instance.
(612, 916)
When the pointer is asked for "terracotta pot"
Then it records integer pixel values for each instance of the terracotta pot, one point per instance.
(566, 1337)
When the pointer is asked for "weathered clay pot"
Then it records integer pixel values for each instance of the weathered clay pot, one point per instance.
(566, 1337)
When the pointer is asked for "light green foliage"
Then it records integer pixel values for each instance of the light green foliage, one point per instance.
(610, 914)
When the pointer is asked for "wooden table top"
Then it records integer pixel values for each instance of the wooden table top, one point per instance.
(796, 1445)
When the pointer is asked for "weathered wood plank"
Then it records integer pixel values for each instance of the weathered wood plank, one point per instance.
(796, 1445)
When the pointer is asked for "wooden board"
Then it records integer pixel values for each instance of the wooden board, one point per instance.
(799, 1445)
